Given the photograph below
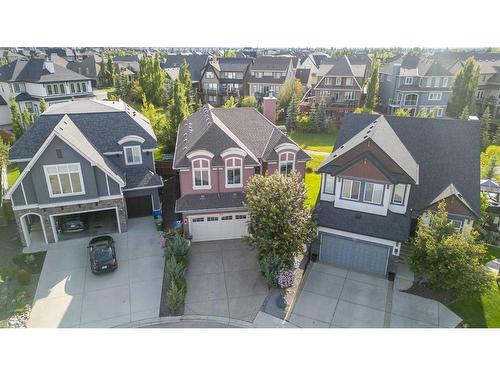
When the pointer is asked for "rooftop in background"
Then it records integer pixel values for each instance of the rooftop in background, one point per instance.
(195, 63)
(35, 70)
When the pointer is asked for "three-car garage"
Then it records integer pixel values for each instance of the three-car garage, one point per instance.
(353, 253)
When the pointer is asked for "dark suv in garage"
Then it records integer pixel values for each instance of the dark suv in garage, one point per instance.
(102, 254)
(72, 224)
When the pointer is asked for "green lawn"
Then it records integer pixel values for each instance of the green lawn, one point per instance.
(484, 311)
(313, 180)
(12, 174)
(315, 141)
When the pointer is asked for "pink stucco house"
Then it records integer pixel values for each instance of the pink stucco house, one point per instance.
(218, 150)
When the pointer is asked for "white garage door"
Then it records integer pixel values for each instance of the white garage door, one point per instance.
(218, 226)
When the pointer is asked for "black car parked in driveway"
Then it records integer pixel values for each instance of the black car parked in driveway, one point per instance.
(102, 254)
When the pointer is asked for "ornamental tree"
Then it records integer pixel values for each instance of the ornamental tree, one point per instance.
(288, 89)
(464, 89)
(372, 90)
(280, 221)
(17, 125)
(448, 259)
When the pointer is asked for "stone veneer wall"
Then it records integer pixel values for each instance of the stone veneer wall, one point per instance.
(46, 212)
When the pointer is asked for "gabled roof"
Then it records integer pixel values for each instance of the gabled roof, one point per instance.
(381, 133)
(103, 123)
(318, 58)
(274, 63)
(217, 129)
(447, 152)
(303, 75)
(341, 68)
(450, 191)
(194, 62)
(33, 70)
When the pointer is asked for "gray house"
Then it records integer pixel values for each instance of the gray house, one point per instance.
(410, 82)
(90, 158)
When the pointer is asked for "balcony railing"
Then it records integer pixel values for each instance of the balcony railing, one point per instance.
(396, 102)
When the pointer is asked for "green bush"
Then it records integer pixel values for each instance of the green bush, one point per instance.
(23, 277)
(271, 264)
(8, 271)
(304, 124)
(177, 246)
(176, 291)
(174, 269)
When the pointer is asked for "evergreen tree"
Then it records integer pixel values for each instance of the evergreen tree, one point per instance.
(17, 125)
(229, 103)
(465, 113)
(178, 109)
(320, 120)
(26, 118)
(152, 79)
(292, 112)
(464, 89)
(185, 79)
(372, 91)
(313, 114)
(103, 78)
(496, 139)
(43, 105)
(110, 71)
(485, 128)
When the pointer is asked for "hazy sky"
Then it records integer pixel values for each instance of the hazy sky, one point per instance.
(255, 23)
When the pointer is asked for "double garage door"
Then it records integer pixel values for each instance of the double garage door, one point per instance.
(354, 254)
(224, 226)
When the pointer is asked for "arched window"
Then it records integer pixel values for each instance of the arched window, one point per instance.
(286, 163)
(201, 174)
(234, 172)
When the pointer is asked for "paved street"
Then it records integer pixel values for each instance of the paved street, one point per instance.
(224, 280)
(334, 297)
(69, 295)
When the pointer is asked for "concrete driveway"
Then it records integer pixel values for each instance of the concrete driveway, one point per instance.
(69, 295)
(335, 297)
(224, 280)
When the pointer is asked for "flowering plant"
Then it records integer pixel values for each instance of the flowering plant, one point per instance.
(285, 279)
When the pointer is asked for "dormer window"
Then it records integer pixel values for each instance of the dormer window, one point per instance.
(408, 80)
(234, 172)
(286, 163)
(201, 174)
(132, 155)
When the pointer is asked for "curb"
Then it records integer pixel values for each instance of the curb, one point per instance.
(144, 323)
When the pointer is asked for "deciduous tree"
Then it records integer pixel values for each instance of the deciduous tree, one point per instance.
(372, 90)
(185, 79)
(26, 118)
(485, 128)
(43, 105)
(229, 103)
(248, 101)
(288, 89)
(448, 259)
(17, 125)
(178, 108)
(464, 89)
(402, 112)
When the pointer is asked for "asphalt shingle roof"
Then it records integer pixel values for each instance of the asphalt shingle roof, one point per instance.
(140, 176)
(195, 64)
(200, 202)
(33, 70)
(273, 63)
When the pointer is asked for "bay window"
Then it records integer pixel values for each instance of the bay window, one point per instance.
(234, 172)
(373, 193)
(286, 163)
(132, 155)
(64, 179)
(351, 189)
(398, 197)
(201, 174)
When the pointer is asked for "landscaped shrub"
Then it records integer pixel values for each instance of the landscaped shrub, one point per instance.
(177, 246)
(8, 272)
(304, 124)
(174, 269)
(23, 277)
(271, 264)
(176, 292)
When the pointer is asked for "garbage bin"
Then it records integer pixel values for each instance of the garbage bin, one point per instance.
(159, 222)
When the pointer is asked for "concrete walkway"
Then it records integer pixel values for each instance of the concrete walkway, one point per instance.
(335, 297)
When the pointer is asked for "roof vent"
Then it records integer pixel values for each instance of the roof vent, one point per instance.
(341, 147)
(368, 132)
(371, 127)
(459, 195)
(365, 137)
(334, 155)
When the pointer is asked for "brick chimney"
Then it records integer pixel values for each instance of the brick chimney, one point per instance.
(269, 107)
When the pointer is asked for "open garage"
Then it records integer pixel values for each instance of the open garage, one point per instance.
(83, 224)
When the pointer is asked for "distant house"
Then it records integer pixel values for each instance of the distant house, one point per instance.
(69, 54)
(384, 173)
(30, 81)
(128, 65)
(492, 188)
(88, 67)
(341, 83)
(224, 77)
(488, 91)
(305, 77)
(218, 150)
(90, 158)
(267, 74)
(415, 83)
(195, 64)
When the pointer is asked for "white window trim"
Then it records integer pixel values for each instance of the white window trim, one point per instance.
(373, 194)
(280, 162)
(438, 94)
(193, 170)
(394, 194)
(349, 81)
(227, 184)
(338, 81)
(445, 82)
(132, 148)
(408, 80)
(350, 190)
(329, 177)
(49, 186)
